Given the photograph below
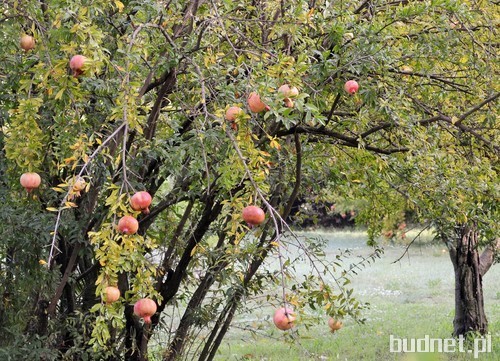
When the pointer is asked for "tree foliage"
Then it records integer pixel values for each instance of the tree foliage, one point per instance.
(148, 113)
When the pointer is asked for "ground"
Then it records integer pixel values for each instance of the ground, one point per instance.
(409, 299)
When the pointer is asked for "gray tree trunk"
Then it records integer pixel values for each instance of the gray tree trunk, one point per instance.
(469, 302)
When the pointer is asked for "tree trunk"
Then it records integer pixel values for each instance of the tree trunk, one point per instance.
(469, 302)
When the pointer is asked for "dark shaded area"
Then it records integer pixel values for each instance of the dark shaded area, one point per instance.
(306, 214)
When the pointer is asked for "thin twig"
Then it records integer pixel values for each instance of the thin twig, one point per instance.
(65, 199)
(409, 244)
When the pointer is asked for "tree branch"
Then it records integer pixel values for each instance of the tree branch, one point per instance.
(488, 257)
(69, 268)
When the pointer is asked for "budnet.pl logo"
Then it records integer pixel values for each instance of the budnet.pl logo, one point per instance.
(443, 345)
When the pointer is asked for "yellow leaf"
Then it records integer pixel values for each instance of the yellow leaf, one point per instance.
(59, 94)
(52, 209)
(275, 144)
(119, 5)
(294, 302)
(193, 251)
(69, 160)
(454, 120)
(42, 262)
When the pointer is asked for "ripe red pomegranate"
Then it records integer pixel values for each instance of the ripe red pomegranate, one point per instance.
(145, 308)
(351, 86)
(111, 294)
(141, 202)
(253, 215)
(283, 318)
(30, 181)
(232, 113)
(334, 325)
(255, 104)
(287, 91)
(27, 42)
(76, 64)
(128, 225)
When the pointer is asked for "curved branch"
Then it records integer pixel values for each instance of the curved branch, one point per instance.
(487, 258)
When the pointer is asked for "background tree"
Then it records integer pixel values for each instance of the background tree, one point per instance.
(147, 112)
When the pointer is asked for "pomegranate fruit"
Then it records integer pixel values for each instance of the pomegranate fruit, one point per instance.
(128, 225)
(232, 113)
(253, 215)
(30, 181)
(288, 102)
(287, 91)
(334, 324)
(141, 202)
(145, 308)
(283, 318)
(351, 86)
(27, 42)
(76, 64)
(79, 184)
(111, 294)
(255, 104)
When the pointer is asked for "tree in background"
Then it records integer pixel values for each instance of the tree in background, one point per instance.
(144, 107)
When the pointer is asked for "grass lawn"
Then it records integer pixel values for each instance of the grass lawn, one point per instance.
(409, 299)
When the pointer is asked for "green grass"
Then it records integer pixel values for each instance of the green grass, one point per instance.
(409, 299)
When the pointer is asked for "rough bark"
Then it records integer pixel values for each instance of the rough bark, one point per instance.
(469, 302)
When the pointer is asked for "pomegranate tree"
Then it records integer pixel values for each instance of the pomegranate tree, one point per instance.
(253, 215)
(30, 181)
(284, 318)
(145, 308)
(141, 202)
(128, 225)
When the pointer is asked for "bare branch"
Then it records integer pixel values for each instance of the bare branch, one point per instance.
(409, 244)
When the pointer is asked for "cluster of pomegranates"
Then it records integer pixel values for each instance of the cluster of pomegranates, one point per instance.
(143, 308)
(256, 105)
(76, 63)
(284, 319)
(140, 201)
